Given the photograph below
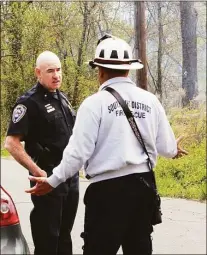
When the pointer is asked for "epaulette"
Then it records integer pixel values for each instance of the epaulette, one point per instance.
(27, 94)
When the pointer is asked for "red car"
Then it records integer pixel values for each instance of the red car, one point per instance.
(12, 239)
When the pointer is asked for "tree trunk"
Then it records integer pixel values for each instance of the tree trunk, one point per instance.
(188, 17)
(160, 50)
(140, 43)
(80, 53)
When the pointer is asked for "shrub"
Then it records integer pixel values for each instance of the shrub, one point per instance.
(185, 177)
(190, 122)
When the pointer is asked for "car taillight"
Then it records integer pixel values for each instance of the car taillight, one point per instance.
(8, 213)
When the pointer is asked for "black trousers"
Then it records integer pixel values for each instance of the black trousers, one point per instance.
(52, 219)
(118, 213)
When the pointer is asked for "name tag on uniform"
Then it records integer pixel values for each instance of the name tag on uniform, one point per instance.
(49, 108)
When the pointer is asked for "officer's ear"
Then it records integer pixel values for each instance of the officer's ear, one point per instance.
(37, 72)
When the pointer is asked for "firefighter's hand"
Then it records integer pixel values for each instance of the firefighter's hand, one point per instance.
(42, 187)
(180, 152)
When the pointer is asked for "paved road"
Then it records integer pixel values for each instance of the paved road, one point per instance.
(184, 222)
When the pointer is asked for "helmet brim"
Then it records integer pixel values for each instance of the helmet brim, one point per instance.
(132, 66)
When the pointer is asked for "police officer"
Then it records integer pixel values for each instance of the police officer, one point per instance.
(118, 202)
(43, 118)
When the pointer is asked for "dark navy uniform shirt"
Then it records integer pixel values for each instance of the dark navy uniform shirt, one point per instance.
(45, 121)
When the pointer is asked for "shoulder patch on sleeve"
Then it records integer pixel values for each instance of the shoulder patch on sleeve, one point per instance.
(18, 113)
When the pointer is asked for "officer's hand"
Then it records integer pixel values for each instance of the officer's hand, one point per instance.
(39, 173)
(42, 187)
(181, 152)
(42, 174)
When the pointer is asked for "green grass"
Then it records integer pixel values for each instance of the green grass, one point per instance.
(184, 177)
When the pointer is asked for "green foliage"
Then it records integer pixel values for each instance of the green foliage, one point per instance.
(186, 177)
(4, 153)
(69, 29)
(190, 122)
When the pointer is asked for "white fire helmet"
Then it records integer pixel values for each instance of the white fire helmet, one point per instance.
(114, 53)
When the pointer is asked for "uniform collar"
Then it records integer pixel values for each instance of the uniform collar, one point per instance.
(45, 92)
(116, 80)
(42, 89)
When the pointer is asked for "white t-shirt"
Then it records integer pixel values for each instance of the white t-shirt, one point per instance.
(103, 140)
